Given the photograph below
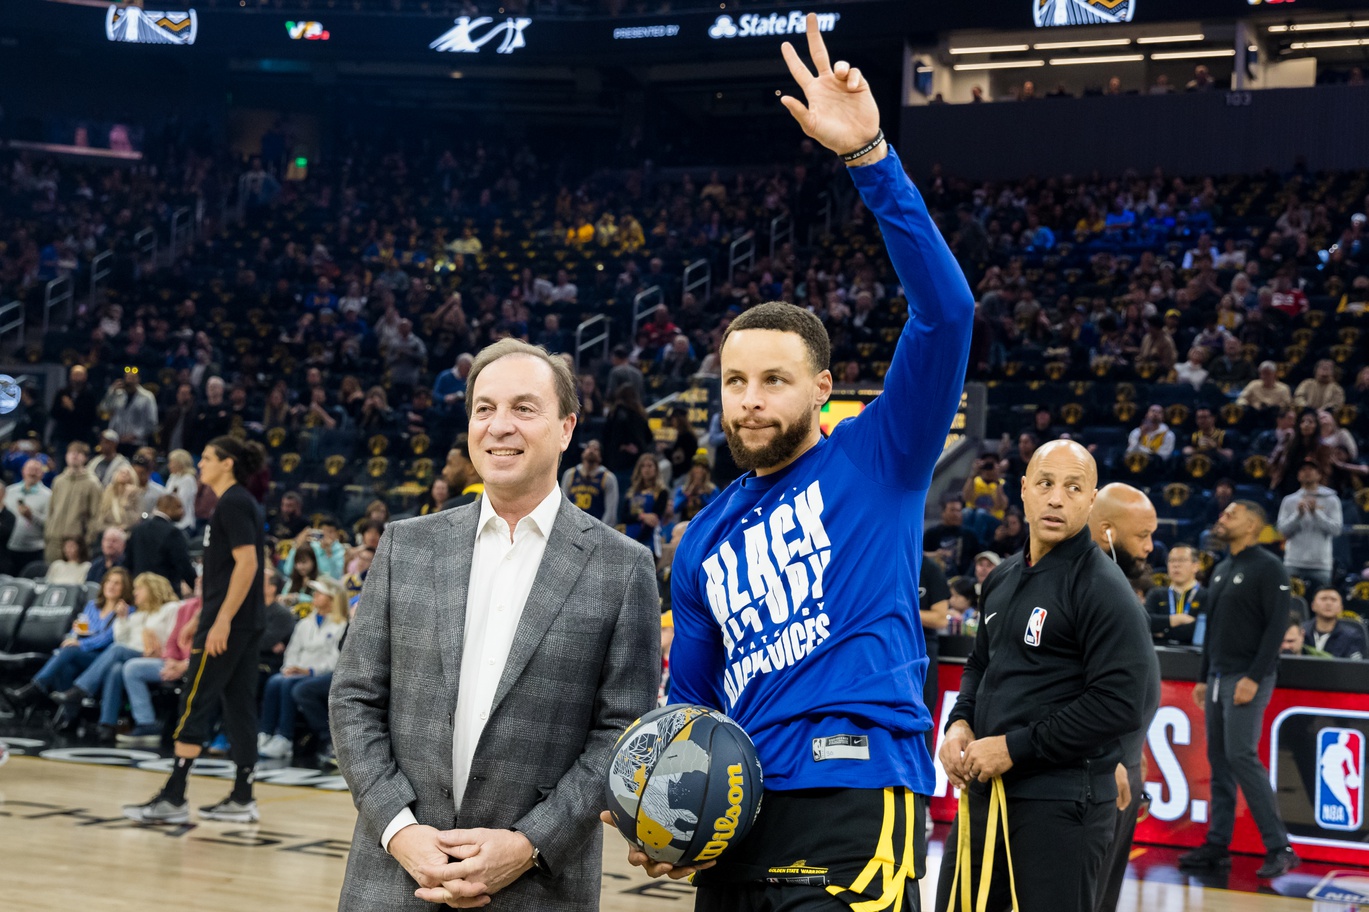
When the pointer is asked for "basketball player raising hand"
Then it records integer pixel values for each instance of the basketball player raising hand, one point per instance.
(796, 591)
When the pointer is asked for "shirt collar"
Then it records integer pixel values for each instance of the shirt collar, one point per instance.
(542, 516)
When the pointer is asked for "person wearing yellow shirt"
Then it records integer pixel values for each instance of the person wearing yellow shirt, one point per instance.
(984, 489)
(581, 233)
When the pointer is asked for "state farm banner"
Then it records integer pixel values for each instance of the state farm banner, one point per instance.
(1314, 744)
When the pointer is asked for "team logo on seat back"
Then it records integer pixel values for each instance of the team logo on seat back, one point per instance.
(1340, 778)
(1034, 625)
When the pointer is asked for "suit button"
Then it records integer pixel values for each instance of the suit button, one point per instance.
(446, 793)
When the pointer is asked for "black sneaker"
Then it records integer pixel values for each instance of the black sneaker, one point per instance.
(72, 695)
(1208, 856)
(158, 810)
(1278, 863)
(23, 697)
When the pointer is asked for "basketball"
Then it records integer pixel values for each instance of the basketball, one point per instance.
(684, 784)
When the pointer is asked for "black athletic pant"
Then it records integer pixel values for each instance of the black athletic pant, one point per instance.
(823, 850)
(228, 680)
(311, 699)
(1057, 850)
(1119, 852)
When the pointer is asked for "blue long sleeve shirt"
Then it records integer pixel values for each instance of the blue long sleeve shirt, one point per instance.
(795, 595)
(101, 629)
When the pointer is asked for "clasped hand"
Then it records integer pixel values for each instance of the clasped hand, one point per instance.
(966, 758)
(462, 869)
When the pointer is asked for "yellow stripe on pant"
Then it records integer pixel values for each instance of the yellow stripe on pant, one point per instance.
(883, 862)
(190, 698)
(964, 864)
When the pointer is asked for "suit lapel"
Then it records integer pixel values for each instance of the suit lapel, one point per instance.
(568, 549)
(453, 582)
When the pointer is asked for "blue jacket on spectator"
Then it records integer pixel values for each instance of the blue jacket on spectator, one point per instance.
(101, 630)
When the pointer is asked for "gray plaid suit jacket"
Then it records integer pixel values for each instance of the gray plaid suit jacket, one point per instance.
(585, 663)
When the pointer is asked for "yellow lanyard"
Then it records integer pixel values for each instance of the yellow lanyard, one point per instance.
(964, 872)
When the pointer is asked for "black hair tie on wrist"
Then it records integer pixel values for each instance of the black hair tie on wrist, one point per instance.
(865, 149)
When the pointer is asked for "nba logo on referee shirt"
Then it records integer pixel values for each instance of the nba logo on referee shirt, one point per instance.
(1340, 778)
(1034, 625)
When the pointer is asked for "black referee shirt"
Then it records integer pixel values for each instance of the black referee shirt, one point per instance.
(1248, 604)
(1062, 667)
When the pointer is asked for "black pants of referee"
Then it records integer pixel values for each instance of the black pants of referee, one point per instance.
(227, 681)
(1057, 851)
(1119, 852)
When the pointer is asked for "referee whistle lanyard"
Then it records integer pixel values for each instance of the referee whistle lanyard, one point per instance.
(964, 871)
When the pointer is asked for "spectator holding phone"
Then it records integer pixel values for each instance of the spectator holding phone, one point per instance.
(330, 554)
(29, 502)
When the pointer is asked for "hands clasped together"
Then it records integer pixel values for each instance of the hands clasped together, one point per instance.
(462, 869)
(966, 758)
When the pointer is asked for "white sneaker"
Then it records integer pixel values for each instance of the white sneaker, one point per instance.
(278, 747)
(230, 811)
(263, 739)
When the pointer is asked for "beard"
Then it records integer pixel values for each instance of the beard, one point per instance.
(781, 448)
(1134, 567)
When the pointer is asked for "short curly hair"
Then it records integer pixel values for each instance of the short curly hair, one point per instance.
(781, 317)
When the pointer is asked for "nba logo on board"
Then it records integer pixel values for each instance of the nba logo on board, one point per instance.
(1340, 779)
(1034, 625)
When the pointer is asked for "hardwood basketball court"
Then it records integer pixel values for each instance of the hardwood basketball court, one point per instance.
(64, 845)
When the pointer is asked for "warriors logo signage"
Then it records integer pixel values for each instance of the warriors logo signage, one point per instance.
(133, 25)
(1082, 12)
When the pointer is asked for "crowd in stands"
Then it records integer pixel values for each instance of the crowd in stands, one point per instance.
(1201, 336)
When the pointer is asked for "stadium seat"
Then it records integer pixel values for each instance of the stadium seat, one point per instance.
(15, 596)
(42, 628)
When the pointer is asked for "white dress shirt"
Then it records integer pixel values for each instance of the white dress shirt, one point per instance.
(502, 572)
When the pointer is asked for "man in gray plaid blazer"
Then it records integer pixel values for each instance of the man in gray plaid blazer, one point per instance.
(499, 651)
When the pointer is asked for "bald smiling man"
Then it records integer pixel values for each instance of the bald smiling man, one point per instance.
(1056, 681)
(1122, 522)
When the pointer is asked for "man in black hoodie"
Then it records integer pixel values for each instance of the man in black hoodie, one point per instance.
(1056, 680)
(1248, 600)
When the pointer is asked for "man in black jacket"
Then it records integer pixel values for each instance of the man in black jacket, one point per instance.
(1248, 602)
(155, 545)
(1122, 522)
(1057, 678)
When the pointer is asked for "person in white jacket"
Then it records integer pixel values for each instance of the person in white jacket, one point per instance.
(1309, 520)
(139, 630)
(314, 649)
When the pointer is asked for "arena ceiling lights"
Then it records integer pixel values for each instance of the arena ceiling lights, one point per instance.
(1193, 55)
(1318, 26)
(1114, 58)
(1318, 45)
(1170, 39)
(1068, 45)
(990, 49)
(999, 65)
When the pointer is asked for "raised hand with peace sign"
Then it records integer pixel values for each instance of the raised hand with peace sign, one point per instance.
(840, 112)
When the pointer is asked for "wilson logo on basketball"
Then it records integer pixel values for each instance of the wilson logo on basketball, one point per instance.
(725, 827)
